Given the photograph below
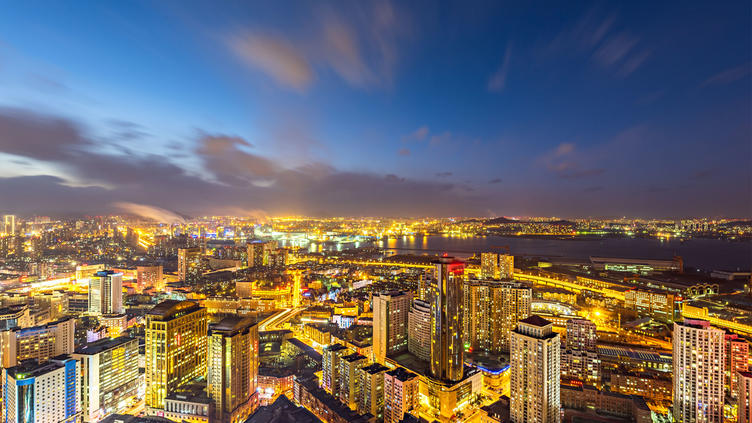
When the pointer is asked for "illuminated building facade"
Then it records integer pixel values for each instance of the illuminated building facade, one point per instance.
(535, 394)
(9, 224)
(46, 393)
(175, 349)
(496, 266)
(744, 396)
(737, 360)
(371, 392)
(39, 343)
(190, 264)
(349, 382)
(492, 310)
(419, 330)
(390, 311)
(698, 361)
(106, 293)
(582, 335)
(15, 316)
(446, 320)
(109, 377)
(400, 394)
(150, 277)
(232, 376)
(330, 358)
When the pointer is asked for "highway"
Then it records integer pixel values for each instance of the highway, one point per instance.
(278, 319)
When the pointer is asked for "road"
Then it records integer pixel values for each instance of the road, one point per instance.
(277, 320)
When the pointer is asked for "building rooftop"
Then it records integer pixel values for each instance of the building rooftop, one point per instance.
(401, 374)
(353, 357)
(282, 410)
(31, 368)
(535, 320)
(169, 309)
(375, 368)
(233, 324)
(104, 345)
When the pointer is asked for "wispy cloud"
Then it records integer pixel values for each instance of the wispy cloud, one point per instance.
(404, 152)
(419, 134)
(276, 57)
(729, 75)
(444, 174)
(498, 80)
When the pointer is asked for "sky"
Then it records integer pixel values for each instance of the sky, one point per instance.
(376, 108)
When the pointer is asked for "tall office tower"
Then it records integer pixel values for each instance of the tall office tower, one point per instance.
(9, 224)
(492, 309)
(349, 383)
(190, 264)
(400, 394)
(371, 395)
(255, 254)
(39, 343)
(698, 361)
(268, 251)
(106, 293)
(744, 396)
(737, 360)
(534, 381)
(297, 287)
(390, 311)
(109, 376)
(330, 367)
(150, 277)
(582, 335)
(447, 351)
(232, 376)
(419, 330)
(175, 349)
(496, 266)
(44, 393)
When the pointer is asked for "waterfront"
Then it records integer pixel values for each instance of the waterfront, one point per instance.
(706, 254)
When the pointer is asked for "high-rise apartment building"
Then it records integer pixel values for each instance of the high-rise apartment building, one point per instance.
(190, 264)
(496, 266)
(419, 330)
(447, 350)
(232, 376)
(390, 310)
(737, 360)
(744, 396)
(535, 367)
(9, 224)
(582, 335)
(106, 293)
(371, 395)
(150, 277)
(698, 372)
(109, 377)
(400, 394)
(39, 343)
(45, 393)
(492, 309)
(330, 358)
(255, 254)
(349, 381)
(175, 349)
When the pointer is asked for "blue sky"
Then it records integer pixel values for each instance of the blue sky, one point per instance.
(363, 108)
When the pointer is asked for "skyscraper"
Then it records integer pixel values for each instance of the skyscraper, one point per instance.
(737, 360)
(150, 277)
(371, 392)
(446, 320)
(400, 394)
(535, 368)
(349, 381)
(390, 310)
(330, 367)
(175, 349)
(582, 335)
(190, 265)
(744, 396)
(232, 376)
(492, 309)
(40, 343)
(109, 376)
(419, 330)
(106, 293)
(698, 365)
(48, 392)
(496, 266)
(9, 224)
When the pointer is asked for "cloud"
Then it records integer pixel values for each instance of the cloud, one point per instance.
(156, 214)
(276, 57)
(729, 76)
(404, 152)
(443, 174)
(566, 164)
(495, 181)
(417, 135)
(498, 80)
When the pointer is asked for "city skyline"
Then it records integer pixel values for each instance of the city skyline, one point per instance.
(376, 108)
